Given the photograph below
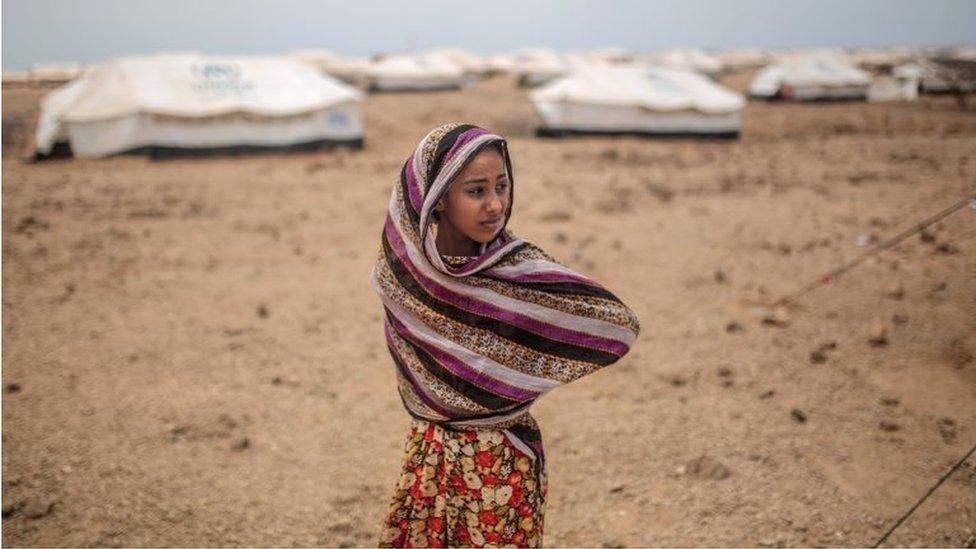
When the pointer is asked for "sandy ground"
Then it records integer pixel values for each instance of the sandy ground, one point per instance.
(192, 353)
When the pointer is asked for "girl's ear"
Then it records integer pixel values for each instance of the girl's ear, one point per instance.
(440, 206)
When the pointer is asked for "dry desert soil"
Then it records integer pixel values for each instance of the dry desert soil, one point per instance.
(193, 355)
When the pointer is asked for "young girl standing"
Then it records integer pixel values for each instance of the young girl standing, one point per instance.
(479, 324)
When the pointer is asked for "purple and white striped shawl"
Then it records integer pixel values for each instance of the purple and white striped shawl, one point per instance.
(475, 345)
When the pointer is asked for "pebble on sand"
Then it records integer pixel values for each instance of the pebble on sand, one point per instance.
(242, 443)
(895, 291)
(11, 388)
(947, 428)
(12, 507)
(725, 375)
(733, 327)
(263, 311)
(819, 355)
(878, 334)
(889, 426)
(38, 508)
(798, 415)
(677, 381)
(779, 317)
(706, 467)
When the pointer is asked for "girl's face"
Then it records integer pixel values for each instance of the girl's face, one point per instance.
(475, 205)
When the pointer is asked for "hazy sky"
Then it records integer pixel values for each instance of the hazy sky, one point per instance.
(91, 30)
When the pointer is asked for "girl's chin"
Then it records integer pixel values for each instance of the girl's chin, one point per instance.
(486, 236)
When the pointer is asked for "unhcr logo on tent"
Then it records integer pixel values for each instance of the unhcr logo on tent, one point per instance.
(219, 77)
(338, 119)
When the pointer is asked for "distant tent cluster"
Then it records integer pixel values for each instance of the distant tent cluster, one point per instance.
(874, 74)
(190, 102)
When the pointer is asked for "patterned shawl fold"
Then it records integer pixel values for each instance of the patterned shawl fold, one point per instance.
(475, 345)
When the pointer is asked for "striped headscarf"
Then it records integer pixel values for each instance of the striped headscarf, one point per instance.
(475, 345)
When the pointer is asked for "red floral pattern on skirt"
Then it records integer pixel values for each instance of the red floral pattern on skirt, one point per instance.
(464, 489)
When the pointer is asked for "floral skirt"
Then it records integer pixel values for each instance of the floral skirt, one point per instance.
(469, 488)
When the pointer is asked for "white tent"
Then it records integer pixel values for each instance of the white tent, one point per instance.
(940, 76)
(879, 58)
(965, 53)
(351, 70)
(194, 102)
(688, 59)
(603, 56)
(413, 73)
(473, 66)
(809, 78)
(536, 66)
(643, 100)
(899, 86)
(743, 59)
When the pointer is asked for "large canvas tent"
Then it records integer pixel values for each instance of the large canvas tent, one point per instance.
(195, 103)
(413, 73)
(637, 100)
(811, 78)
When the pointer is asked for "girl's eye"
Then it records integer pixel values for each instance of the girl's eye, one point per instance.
(502, 186)
(475, 192)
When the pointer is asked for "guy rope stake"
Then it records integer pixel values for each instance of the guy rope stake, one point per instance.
(832, 275)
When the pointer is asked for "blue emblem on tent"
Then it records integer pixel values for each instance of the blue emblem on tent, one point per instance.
(338, 119)
(219, 77)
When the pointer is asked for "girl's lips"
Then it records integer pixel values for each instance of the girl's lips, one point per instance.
(492, 224)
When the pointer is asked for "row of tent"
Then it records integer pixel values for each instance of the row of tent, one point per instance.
(187, 102)
(828, 77)
(192, 102)
(452, 68)
(446, 68)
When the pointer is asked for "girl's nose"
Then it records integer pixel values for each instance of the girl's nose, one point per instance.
(494, 203)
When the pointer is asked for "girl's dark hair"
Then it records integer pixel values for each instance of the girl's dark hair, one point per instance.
(497, 145)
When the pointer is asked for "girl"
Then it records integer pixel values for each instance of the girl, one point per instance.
(479, 324)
